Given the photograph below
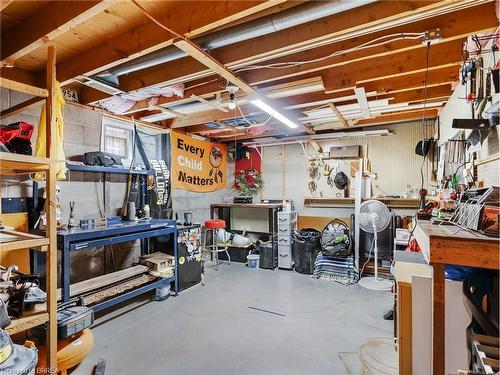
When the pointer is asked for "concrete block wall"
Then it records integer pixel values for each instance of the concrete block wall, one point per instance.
(396, 167)
(199, 203)
(82, 133)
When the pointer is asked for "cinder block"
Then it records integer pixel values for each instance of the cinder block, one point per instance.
(91, 137)
(73, 133)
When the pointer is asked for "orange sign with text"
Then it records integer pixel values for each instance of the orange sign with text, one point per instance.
(197, 165)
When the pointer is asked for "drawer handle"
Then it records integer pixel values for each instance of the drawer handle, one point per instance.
(283, 254)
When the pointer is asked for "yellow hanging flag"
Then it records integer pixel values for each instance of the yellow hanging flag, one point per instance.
(41, 140)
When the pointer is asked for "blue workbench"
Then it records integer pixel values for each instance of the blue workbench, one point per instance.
(77, 239)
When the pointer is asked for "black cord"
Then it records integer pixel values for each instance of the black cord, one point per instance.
(423, 114)
(423, 131)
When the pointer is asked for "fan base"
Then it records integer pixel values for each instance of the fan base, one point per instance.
(375, 284)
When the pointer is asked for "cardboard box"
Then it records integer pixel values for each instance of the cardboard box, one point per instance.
(158, 261)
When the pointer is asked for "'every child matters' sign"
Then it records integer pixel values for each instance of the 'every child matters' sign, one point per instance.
(197, 165)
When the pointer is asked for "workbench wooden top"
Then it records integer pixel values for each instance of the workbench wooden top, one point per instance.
(449, 244)
(248, 205)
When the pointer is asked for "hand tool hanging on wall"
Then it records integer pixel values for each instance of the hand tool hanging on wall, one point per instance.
(469, 71)
(480, 82)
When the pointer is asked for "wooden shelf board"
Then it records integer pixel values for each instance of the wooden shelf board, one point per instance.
(30, 320)
(18, 164)
(25, 241)
(117, 289)
(104, 280)
(349, 202)
(23, 87)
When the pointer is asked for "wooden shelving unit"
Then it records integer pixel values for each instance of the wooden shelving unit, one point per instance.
(30, 320)
(24, 241)
(349, 202)
(14, 164)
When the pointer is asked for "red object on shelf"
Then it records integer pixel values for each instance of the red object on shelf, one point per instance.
(253, 162)
(20, 130)
(17, 137)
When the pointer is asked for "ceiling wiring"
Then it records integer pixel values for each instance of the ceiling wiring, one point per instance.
(424, 127)
(370, 44)
(248, 121)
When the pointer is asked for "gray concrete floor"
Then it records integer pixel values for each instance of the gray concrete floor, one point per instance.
(210, 329)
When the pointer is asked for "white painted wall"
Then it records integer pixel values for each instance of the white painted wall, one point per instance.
(393, 159)
(81, 134)
(457, 107)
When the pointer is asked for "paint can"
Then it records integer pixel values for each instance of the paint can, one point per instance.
(253, 261)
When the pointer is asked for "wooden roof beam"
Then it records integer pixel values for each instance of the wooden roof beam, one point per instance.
(457, 25)
(200, 55)
(438, 75)
(411, 82)
(400, 64)
(190, 19)
(284, 42)
(48, 23)
(341, 118)
(5, 3)
(212, 115)
(403, 116)
(203, 57)
(299, 37)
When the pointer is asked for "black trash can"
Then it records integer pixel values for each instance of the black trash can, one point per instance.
(306, 244)
(268, 255)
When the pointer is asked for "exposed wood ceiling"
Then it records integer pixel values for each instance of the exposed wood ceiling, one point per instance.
(93, 36)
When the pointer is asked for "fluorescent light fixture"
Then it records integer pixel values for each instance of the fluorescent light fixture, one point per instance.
(267, 142)
(278, 116)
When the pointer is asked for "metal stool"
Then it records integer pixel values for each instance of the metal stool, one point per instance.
(214, 226)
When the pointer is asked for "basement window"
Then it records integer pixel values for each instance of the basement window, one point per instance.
(117, 138)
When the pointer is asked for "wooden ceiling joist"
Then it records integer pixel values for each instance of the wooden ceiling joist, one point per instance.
(437, 76)
(53, 20)
(341, 118)
(5, 3)
(21, 107)
(198, 54)
(212, 115)
(430, 113)
(454, 26)
(190, 19)
(233, 55)
(395, 65)
(282, 42)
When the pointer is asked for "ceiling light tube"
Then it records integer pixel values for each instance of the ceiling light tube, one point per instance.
(271, 111)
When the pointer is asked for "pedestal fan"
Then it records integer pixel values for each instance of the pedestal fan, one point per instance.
(374, 217)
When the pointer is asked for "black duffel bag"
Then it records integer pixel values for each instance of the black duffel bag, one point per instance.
(102, 159)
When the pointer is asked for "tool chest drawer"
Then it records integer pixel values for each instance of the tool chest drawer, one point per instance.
(285, 230)
(287, 217)
(285, 259)
(284, 241)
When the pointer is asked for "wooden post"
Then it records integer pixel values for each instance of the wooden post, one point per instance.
(50, 209)
(438, 317)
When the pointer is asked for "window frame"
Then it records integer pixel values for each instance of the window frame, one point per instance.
(112, 123)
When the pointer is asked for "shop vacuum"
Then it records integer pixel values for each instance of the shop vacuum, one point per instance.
(14, 359)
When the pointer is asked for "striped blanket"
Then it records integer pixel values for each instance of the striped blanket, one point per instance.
(340, 270)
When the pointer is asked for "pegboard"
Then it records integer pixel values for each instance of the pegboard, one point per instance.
(325, 168)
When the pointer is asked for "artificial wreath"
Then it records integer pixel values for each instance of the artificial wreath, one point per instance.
(248, 181)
